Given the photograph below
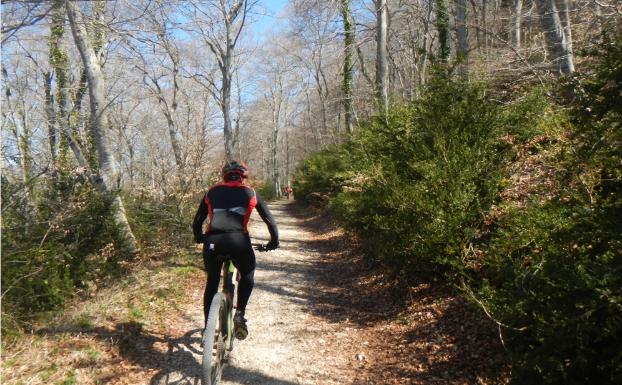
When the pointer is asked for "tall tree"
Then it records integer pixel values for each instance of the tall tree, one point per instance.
(58, 113)
(277, 85)
(348, 29)
(161, 66)
(109, 174)
(442, 26)
(564, 16)
(517, 19)
(221, 37)
(315, 32)
(556, 35)
(381, 55)
(462, 49)
(16, 115)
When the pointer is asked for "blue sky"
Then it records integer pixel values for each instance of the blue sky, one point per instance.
(264, 22)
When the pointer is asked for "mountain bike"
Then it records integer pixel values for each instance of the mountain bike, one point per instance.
(220, 334)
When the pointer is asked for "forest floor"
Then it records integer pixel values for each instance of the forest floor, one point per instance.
(319, 314)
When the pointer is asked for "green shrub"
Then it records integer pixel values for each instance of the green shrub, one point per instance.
(266, 191)
(416, 189)
(553, 271)
(162, 219)
(52, 244)
(320, 176)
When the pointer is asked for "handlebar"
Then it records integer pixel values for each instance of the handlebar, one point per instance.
(261, 247)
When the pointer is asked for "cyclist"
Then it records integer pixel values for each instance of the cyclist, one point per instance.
(229, 205)
(288, 192)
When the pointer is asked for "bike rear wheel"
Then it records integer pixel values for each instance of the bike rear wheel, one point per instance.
(214, 341)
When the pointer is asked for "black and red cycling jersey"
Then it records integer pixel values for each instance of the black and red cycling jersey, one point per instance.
(229, 206)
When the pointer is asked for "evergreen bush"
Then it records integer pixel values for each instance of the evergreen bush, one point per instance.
(321, 175)
(267, 191)
(53, 242)
(427, 187)
(553, 273)
(416, 188)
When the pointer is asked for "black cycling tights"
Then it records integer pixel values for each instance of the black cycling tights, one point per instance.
(238, 246)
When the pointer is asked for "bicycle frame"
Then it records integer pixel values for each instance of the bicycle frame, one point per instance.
(228, 287)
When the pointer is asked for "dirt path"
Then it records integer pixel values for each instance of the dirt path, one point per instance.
(285, 344)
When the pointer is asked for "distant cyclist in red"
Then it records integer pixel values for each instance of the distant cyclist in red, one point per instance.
(288, 192)
(229, 206)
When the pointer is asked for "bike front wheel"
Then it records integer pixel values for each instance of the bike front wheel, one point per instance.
(214, 341)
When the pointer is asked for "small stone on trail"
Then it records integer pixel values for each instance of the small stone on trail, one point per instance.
(360, 357)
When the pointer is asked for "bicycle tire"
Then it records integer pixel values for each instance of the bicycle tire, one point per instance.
(214, 340)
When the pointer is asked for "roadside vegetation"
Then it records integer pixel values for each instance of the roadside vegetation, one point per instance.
(113, 334)
(517, 203)
(73, 220)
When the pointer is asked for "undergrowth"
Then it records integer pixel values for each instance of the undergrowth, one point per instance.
(521, 203)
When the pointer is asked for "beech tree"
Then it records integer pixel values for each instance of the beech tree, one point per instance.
(517, 19)
(219, 25)
(381, 55)
(314, 35)
(348, 41)
(557, 34)
(108, 178)
(16, 117)
(462, 48)
(442, 26)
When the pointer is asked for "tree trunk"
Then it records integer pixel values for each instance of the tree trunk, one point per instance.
(110, 176)
(564, 15)
(277, 102)
(381, 56)
(485, 24)
(462, 50)
(275, 169)
(226, 110)
(223, 46)
(423, 62)
(170, 111)
(66, 118)
(50, 113)
(22, 138)
(442, 25)
(558, 42)
(287, 158)
(25, 152)
(348, 29)
(516, 23)
(237, 136)
(322, 98)
(59, 61)
(172, 133)
(317, 137)
(226, 70)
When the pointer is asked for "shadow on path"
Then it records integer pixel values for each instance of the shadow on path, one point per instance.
(244, 376)
(175, 364)
(178, 364)
(417, 333)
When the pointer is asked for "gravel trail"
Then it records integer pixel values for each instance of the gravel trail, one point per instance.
(287, 344)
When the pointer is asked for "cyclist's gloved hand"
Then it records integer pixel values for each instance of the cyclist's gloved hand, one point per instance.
(272, 245)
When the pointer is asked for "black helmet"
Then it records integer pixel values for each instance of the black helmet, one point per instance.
(234, 167)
